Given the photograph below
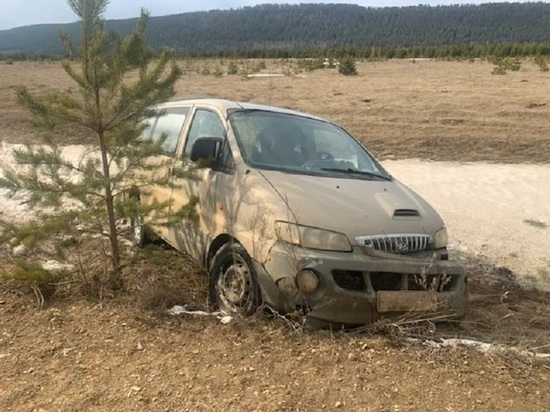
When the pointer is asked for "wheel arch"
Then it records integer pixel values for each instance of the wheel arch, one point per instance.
(216, 245)
(269, 293)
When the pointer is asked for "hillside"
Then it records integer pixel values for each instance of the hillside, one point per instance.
(315, 25)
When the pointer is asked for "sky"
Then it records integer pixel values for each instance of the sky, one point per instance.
(15, 13)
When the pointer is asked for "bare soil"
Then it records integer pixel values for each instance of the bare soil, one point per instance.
(78, 355)
(119, 351)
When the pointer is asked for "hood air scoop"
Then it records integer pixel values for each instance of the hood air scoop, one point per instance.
(406, 213)
(397, 206)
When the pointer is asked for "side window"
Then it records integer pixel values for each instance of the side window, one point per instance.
(205, 124)
(169, 125)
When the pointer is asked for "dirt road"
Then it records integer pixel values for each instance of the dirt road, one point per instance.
(499, 212)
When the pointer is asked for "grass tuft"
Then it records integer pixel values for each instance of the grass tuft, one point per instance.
(536, 223)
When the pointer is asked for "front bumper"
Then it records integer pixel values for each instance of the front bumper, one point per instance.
(362, 286)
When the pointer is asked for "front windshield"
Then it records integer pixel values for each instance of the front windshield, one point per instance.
(295, 144)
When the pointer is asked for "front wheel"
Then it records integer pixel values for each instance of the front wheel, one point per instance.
(233, 282)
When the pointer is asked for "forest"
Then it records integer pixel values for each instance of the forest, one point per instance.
(309, 30)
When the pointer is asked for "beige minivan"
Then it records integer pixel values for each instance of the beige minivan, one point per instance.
(295, 214)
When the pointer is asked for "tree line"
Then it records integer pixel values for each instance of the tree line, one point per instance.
(310, 30)
(454, 52)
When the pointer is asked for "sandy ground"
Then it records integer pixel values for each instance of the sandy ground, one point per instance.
(486, 206)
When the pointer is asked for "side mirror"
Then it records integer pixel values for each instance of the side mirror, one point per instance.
(205, 150)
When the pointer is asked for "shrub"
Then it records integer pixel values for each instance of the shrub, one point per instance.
(260, 66)
(310, 65)
(347, 66)
(542, 63)
(232, 68)
(502, 65)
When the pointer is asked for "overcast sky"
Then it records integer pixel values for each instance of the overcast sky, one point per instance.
(14, 13)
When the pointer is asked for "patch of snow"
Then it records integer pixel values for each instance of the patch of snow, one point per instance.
(19, 250)
(251, 76)
(182, 310)
(54, 265)
(479, 346)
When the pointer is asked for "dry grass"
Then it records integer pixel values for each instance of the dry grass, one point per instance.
(400, 109)
(158, 277)
(127, 359)
(536, 223)
(153, 278)
(502, 311)
(112, 357)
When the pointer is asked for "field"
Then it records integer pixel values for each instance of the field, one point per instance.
(401, 109)
(475, 144)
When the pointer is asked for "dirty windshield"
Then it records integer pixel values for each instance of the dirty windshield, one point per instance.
(290, 143)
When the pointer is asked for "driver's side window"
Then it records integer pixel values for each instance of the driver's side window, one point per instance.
(205, 124)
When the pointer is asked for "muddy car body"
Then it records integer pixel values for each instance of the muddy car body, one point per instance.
(294, 213)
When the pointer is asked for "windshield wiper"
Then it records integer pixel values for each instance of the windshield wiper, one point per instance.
(350, 171)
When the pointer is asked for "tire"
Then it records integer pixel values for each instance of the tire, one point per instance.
(233, 281)
(138, 232)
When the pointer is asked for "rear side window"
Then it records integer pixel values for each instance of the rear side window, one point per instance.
(167, 126)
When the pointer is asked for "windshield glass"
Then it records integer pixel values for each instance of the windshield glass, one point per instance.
(290, 143)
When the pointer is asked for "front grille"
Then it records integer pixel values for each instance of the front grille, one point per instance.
(349, 279)
(400, 244)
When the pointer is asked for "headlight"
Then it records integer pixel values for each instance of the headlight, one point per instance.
(312, 238)
(441, 238)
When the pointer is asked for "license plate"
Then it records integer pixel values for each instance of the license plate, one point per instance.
(406, 301)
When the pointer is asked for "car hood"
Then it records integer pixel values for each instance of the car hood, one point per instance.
(355, 207)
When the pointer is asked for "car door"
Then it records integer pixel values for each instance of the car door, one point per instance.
(194, 234)
(168, 126)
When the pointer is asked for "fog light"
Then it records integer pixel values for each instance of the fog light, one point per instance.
(287, 286)
(307, 281)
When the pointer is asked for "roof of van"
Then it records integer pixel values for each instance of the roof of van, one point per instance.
(224, 105)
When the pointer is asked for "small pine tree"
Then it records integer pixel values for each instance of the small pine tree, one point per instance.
(119, 80)
(347, 66)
